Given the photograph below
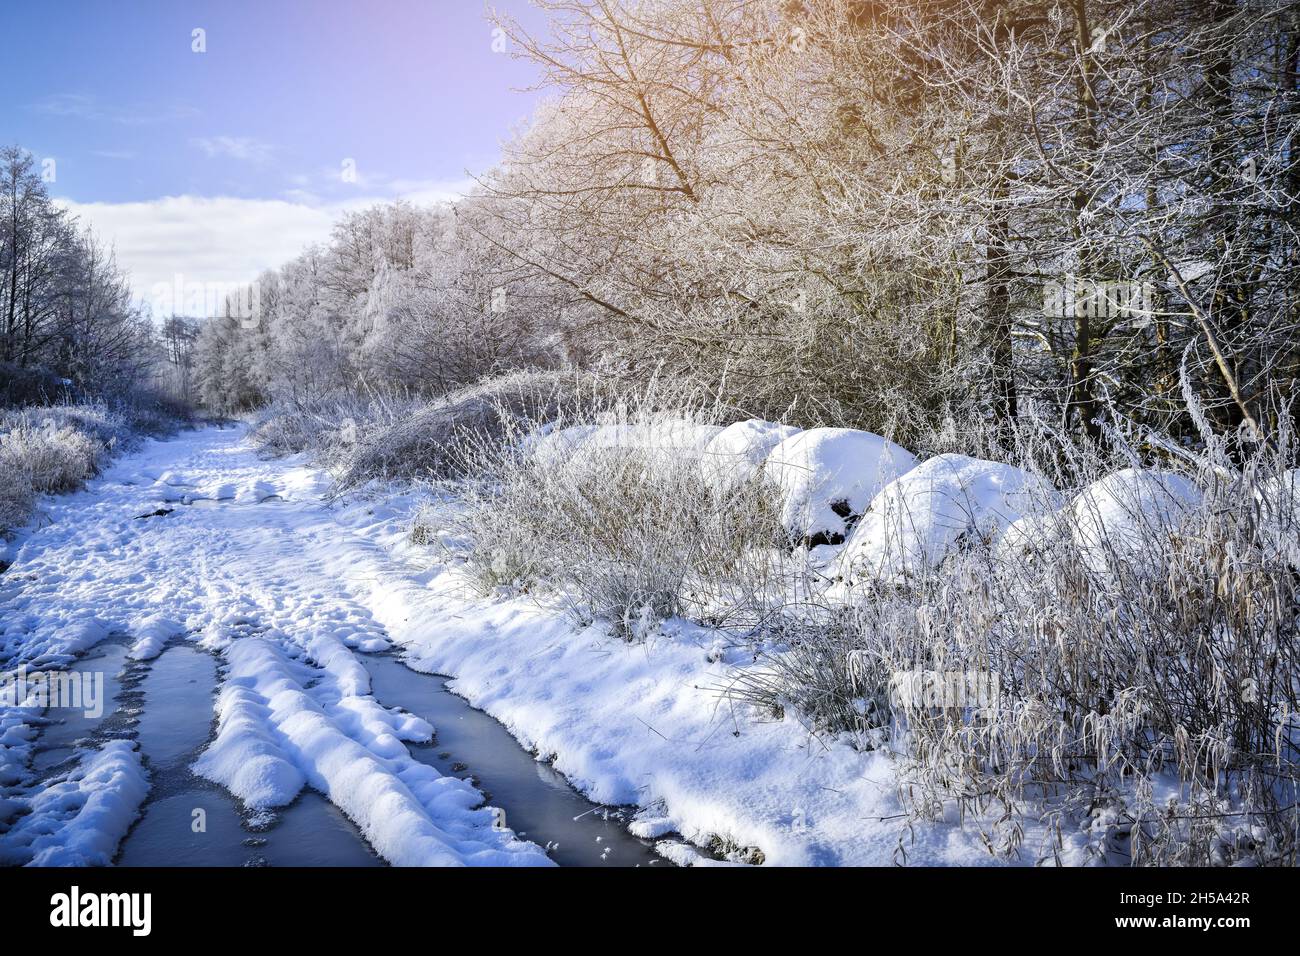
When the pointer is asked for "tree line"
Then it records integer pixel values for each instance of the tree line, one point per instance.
(70, 327)
(871, 214)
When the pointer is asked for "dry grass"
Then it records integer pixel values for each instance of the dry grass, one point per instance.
(36, 460)
(621, 531)
(1142, 707)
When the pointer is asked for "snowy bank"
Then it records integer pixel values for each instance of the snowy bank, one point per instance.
(79, 819)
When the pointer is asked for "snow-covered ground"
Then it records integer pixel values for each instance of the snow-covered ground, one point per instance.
(293, 591)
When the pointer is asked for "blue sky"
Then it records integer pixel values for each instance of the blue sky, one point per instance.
(220, 163)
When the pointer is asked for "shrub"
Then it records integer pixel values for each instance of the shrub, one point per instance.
(617, 528)
(29, 386)
(327, 428)
(426, 443)
(1102, 638)
(107, 427)
(1138, 693)
(42, 460)
(56, 448)
(389, 438)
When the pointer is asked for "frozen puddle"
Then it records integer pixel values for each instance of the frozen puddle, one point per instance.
(175, 726)
(66, 727)
(189, 821)
(166, 706)
(539, 803)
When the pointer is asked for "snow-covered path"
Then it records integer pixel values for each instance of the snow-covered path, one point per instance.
(293, 591)
(254, 582)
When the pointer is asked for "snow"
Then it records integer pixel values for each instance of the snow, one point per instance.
(246, 757)
(151, 632)
(828, 475)
(293, 593)
(17, 733)
(1117, 516)
(1191, 270)
(261, 584)
(1279, 498)
(947, 502)
(666, 435)
(276, 735)
(1031, 534)
(737, 452)
(79, 819)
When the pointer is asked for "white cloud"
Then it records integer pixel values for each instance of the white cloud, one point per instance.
(218, 240)
(223, 239)
(87, 107)
(235, 147)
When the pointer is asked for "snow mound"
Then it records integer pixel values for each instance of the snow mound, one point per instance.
(80, 819)
(1119, 516)
(737, 452)
(152, 632)
(246, 757)
(74, 638)
(17, 737)
(669, 435)
(683, 854)
(275, 733)
(947, 502)
(1032, 535)
(828, 476)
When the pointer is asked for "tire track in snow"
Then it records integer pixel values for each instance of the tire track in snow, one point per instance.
(237, 578)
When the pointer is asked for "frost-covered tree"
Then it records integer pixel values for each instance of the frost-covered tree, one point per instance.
(65, 307)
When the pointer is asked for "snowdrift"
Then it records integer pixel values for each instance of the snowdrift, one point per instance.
(945, 503)
(669, 436)
(828, 476)
(1116, 517)
(737, 452)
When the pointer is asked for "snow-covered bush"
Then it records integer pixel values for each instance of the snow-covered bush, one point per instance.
(110, 428)
(16, 501)
(330, 429)
(1127, 670)
(1032, 535)
(828, 476)
(42, 460)
(735, 454)
(948, 502)
(622, 527)
(1120, 517)
(55, 448)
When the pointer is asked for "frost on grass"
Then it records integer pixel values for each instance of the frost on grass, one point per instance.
(37, 460)
(1122, 630)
